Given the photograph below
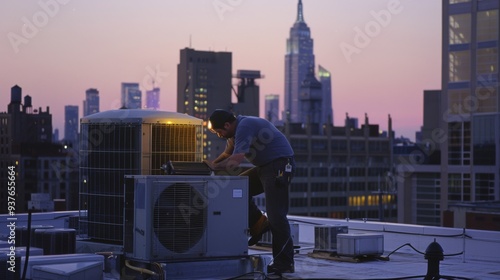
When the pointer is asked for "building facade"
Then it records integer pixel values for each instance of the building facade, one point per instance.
(342, 172)
(71, 124)
(26, 148)
(203, 85)
(153, 99)
(325, 78)
(91, 102)
(131, 96)
(467, 135)
(271, 107)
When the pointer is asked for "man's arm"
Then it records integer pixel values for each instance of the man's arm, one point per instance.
(221, 157)
(226, 162)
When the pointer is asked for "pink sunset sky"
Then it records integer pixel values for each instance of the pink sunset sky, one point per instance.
(382, 54)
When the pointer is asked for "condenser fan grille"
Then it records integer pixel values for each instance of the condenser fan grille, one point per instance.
(180, 216)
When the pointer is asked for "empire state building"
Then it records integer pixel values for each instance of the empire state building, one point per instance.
(299, 61)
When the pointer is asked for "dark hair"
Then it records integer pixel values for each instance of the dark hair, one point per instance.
(219, 117)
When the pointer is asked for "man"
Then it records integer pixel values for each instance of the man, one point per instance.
(263, 145)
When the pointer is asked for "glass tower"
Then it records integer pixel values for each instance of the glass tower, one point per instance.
(470, 158)
(91, 102)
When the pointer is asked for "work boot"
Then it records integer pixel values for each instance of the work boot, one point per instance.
(279, 269)
(258, 229)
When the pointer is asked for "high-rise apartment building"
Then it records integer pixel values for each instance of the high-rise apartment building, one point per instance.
(131, 96)
(468, 135)
(26, 148)
(203, 85)
(91, 102)
(153, 98)
(71, 123)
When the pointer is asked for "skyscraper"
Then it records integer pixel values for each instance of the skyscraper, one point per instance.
(470, 158)
(153, 98)
(203, 85)
(131, 96)
(71, 123)
(466, 136)
(91, 102)
(326, 87)
(299, 59)
(272, 108)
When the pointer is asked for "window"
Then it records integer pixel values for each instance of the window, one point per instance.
(459, 66)
(487, 25)
(460, 29)
(485, 187)
(484, 140)
(487, 59)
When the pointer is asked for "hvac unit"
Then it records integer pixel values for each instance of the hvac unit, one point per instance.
(267, 238)
(69, 271)
(47, 260)
(325, 237)
(128, 142)
(359, 244)
(179, 217)
(56, 241)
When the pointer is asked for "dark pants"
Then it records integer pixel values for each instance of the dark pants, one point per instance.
(264, 179)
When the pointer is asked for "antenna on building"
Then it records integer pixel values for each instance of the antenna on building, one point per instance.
(189, 40)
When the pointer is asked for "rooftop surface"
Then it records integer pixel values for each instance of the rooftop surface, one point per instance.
(468, 254)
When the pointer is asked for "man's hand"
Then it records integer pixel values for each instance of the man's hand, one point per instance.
(226, 162)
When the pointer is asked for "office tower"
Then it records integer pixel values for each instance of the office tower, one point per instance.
(471, 156)
(326, 87)
(153, 98)
(272, 108)
(248, 93)
(91, 102)
(468, 133)
(203, 85)
(131, 96)
(299, 59)
(71, 123)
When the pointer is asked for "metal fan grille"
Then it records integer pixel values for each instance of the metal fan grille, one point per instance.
(180, 217)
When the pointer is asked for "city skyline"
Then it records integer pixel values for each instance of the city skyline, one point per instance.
(382, 54)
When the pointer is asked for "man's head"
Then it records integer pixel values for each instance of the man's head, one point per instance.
(220, 122)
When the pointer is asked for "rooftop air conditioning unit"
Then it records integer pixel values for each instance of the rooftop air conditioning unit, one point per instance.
(179, 217)
(325, 237)
(359, 244)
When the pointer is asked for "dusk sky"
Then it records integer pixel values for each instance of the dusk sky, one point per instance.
(382, 53)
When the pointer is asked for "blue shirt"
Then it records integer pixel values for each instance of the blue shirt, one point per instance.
(259, 140)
